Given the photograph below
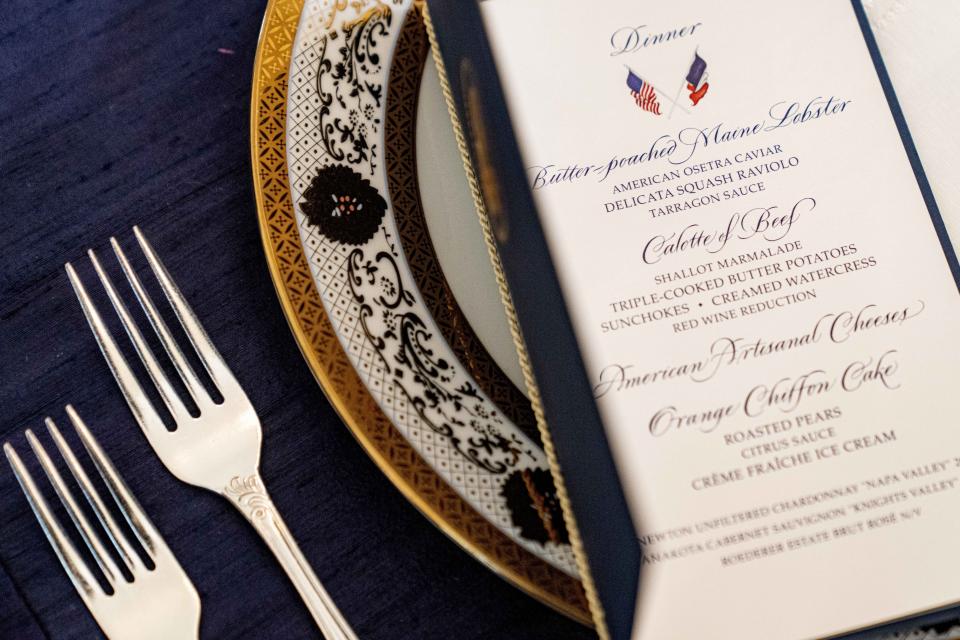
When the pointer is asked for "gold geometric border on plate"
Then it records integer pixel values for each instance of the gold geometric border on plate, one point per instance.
(318, 342)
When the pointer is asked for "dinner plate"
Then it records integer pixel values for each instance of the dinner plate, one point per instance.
(373, 244)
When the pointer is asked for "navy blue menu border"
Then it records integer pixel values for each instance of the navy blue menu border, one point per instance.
(580, 442)
(907, 140)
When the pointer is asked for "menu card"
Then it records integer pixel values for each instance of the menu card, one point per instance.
(765, 299)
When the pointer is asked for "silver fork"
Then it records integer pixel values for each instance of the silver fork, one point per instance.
(159, 603)
(219, 449)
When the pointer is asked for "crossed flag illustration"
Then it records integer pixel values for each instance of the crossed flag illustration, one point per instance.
(645, 95)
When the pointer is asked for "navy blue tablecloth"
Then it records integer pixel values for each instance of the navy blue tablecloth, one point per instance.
(136, 112)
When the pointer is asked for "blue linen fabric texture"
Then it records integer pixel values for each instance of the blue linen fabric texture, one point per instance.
(115, 113)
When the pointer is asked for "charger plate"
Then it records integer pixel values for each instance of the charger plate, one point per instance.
(344, 95)
(348, 83)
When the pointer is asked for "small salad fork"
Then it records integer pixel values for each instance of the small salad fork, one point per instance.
(158, 603)
(218, 449)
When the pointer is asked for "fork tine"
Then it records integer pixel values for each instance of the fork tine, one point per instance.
(187, 374)
(131, 509)
(92, 540)
(167, 392)
(147, 417)
(213, 362)
(72, 563)
(120, 543)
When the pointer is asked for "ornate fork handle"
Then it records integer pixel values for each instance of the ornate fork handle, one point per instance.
(250, 496)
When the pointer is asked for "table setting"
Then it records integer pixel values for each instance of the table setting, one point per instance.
(257, 378)
(105, 131)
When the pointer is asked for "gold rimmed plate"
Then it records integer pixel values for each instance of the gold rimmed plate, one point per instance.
(376, 254)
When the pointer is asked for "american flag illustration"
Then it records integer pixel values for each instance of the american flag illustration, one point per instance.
(643, 93)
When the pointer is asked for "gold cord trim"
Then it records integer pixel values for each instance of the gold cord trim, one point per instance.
(596, 609)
